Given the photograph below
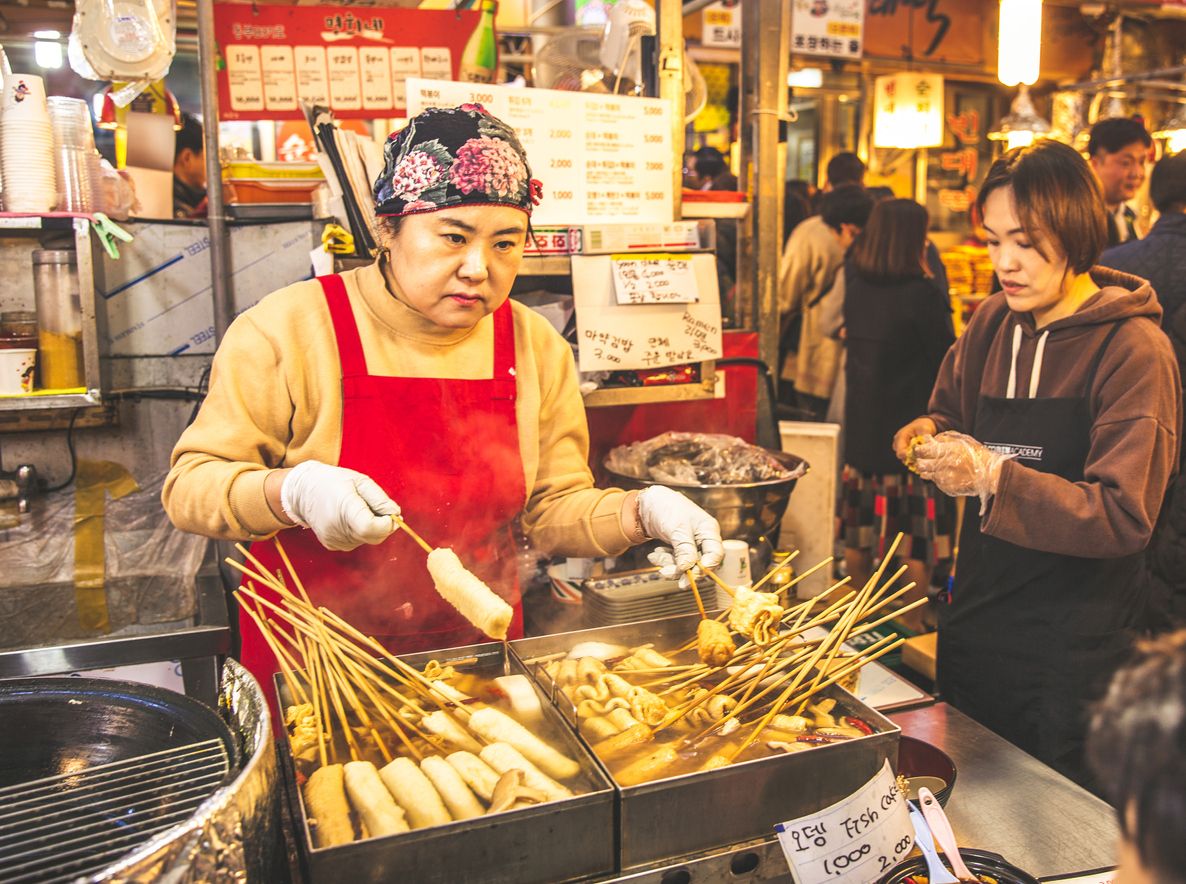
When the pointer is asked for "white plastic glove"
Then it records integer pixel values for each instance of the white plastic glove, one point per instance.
(960, 466)
(693, 534)
(344, 508)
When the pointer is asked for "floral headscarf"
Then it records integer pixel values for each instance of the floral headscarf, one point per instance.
(455, 156)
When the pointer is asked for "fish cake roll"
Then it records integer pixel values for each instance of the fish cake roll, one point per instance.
(372, 801)
(415, 793)
(497, 727)
(458, 797)
(450, 731)
(472, 598)
(477, 774)
(503, 757)
(328, 809)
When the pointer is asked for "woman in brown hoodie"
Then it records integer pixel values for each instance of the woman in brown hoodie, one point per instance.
(1058, 409)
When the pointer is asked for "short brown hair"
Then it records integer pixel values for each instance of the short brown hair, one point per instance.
(890, 247)
(1056, 195)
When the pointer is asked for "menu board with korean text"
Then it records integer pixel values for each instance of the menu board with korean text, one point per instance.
(601, 158)
(355, 60)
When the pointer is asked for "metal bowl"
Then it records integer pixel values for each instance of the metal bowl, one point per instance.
(746, 512)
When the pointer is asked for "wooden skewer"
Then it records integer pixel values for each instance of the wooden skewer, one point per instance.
(416, 537)
(318, 694)
(801, 577)
(786, 560)
(336, 659)
(295, 689)
(718, 581)
(696, 594)
(858, 662)
(784, 700)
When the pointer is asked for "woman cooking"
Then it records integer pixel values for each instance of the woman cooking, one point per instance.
(413, 380)
(1055, 412)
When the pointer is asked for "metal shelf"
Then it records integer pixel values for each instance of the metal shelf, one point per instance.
(14, 223)
(34, 402)
(88, 284)
(546, 265)
(703, 389)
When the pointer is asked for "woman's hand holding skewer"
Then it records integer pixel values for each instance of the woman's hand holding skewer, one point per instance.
(344, 508)
(692, 534)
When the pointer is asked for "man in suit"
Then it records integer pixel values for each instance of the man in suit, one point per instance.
(1161, 258)
(1118, 151)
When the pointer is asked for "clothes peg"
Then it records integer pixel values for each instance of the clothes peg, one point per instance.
(109, 232)
(337, 240)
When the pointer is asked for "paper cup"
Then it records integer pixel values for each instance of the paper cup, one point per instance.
(734, 569)
(24, 97)
(16, 371)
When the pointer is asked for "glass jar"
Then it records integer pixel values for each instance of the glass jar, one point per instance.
(59, 318)
(18, 330)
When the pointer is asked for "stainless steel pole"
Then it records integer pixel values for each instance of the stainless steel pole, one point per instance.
(765, 46)
(670, 27)
(220, 258)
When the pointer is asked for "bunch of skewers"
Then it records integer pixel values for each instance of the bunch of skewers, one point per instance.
(447, 755)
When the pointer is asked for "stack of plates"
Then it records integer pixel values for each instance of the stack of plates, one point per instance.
(611, 601)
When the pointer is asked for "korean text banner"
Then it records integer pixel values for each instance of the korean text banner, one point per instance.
(354, 60)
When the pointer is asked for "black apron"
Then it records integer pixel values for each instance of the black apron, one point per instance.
(1030, 638)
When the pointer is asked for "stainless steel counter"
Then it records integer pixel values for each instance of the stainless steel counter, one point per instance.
(196, 643)
(1010, 803)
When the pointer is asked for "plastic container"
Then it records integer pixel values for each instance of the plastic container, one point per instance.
(16, 371)
(59, 318)
(271, 190)
(257, 169)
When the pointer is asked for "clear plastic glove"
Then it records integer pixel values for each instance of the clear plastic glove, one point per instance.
(692, 533)
(344, 508)
(960, 466)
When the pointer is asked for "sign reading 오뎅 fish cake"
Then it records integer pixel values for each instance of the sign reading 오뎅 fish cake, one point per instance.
(613, 336)
(601, 158)
(855, 840)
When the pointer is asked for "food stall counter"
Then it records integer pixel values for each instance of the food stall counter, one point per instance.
(1007, 801)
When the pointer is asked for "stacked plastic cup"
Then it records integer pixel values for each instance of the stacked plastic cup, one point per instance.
(26, 146)
(74, 147)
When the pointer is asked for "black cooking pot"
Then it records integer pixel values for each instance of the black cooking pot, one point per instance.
(54, 726)
(979, 862)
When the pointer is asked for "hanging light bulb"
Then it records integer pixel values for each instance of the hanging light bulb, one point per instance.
(1019, 53)
(1022, 125)
(1173, 131)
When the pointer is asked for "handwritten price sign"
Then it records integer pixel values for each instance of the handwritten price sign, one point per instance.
(856, 840)
(655, 279)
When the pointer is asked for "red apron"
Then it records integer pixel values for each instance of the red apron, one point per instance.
(447, 451)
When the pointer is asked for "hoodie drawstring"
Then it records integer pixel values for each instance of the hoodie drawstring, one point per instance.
(1035, 371)
(1011, 391)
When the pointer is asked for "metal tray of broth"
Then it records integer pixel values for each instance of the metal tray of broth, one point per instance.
(671, 818)
(557, 841)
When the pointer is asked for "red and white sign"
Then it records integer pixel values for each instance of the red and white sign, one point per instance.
(354, 60)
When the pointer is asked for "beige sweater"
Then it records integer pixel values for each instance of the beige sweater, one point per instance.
(275, 400)
(809, 263)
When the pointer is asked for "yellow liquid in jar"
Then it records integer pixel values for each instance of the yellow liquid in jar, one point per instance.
(59, 358)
